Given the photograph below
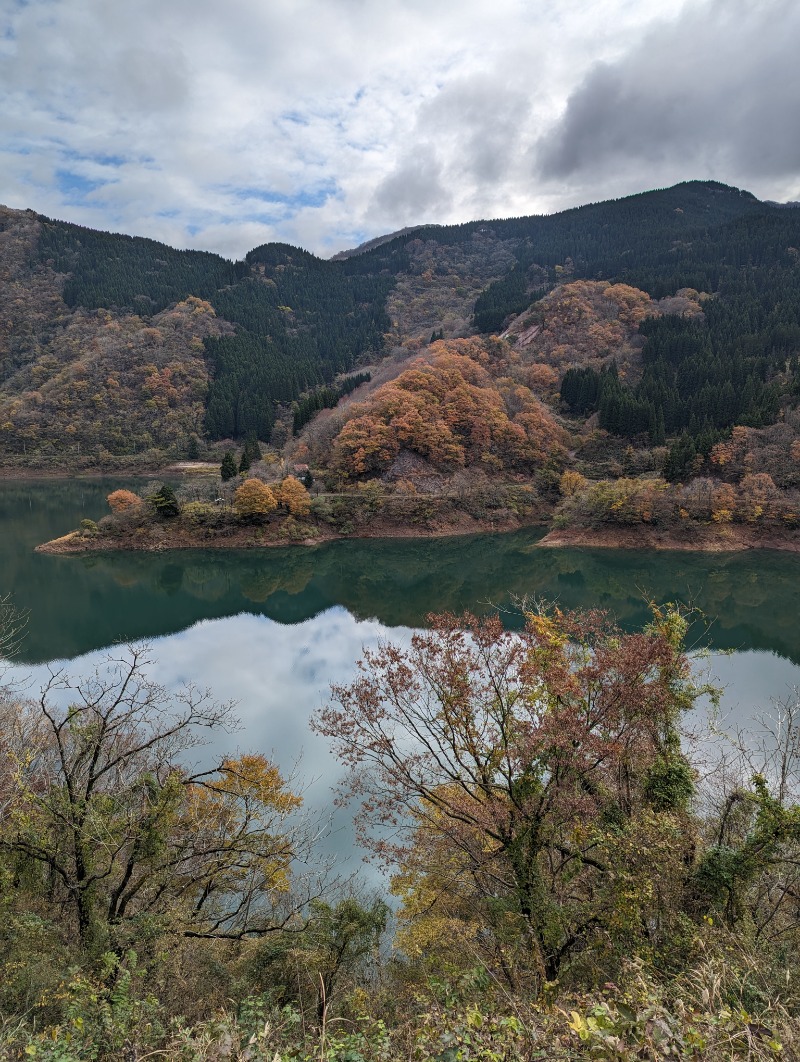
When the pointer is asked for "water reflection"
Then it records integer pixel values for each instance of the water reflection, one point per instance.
(84, 602)
(81, 603)
(276, 675)
(272, 629)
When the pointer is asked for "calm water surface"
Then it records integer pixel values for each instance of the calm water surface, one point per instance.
(272, 629)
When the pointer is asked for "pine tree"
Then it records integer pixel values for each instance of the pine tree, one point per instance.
(227, 469)
(164, 502)
(251, 449)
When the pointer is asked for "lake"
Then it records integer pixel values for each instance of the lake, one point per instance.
(271, 629)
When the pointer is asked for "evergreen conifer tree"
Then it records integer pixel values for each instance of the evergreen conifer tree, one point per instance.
(227, 469)
(252, 449)
(164, 502)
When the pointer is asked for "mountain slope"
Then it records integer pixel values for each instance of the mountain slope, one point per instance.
(283, 323)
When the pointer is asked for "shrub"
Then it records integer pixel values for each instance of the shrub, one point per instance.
(120, 501)
(89, 529)
(204, 514)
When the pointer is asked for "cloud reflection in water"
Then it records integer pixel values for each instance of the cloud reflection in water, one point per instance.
(279, 674)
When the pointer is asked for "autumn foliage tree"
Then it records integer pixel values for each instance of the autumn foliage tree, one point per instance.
(294, 497)
(118, 382)
(107, 824)
(120, 501)
(449, 408)
(526, 774)
(253, 499)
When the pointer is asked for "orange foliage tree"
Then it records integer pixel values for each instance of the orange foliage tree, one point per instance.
(448, 408)
(120, 501)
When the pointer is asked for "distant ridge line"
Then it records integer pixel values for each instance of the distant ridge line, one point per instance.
(378, 241)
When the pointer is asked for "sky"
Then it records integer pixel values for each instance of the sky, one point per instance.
(223, 124)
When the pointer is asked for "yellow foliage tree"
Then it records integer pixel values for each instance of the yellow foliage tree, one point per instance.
(292, 495)
(724, 502)
(757, 497)
(254, 498)
(571, 482)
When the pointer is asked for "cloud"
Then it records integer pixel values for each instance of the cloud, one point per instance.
(277, 676)
(414, 190)
(320, 123)
(717, 89)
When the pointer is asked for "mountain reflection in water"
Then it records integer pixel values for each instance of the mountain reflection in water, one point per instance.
(271, 629)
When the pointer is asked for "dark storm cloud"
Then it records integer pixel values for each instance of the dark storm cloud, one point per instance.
(715, 92)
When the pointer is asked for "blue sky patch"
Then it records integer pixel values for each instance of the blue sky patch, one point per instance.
(307, 197)
(74, 186)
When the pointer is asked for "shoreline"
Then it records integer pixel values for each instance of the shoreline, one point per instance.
(699, 539)
(166, 536)
(726, 538)
(252, 537)
(160, 472)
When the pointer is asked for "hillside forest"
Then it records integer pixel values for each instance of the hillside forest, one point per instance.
(646, 349)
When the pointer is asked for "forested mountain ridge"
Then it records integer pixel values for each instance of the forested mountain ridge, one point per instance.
(282, 325)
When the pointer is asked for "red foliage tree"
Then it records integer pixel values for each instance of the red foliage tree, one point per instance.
(527, 756)
(120, 501)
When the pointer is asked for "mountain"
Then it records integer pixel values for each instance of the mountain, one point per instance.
(115, 345)
(377, 241)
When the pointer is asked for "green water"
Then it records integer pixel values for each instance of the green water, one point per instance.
(271, 630)
(78, 604)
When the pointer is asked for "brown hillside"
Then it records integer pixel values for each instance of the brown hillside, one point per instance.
(457, 406)
(582, 322)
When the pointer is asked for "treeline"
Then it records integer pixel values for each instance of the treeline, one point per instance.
(113, 271)
(659, 241)
(703, 375)
(301, 321)
(307, 406)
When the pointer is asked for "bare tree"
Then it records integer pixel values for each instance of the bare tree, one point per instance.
(751, 867)
(13, 624)
(118, 829)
